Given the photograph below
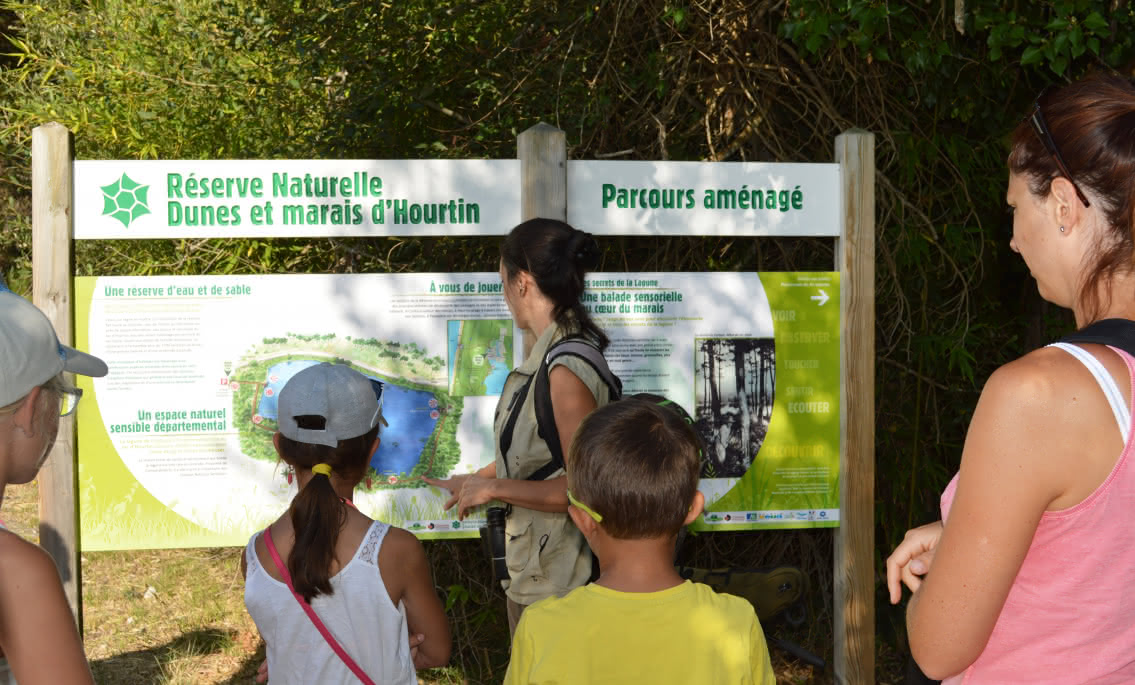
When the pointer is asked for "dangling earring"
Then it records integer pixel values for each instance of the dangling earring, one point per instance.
(1061, 228)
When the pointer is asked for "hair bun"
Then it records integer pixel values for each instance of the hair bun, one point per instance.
(585, 250)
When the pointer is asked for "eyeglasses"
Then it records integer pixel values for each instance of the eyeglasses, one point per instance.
(583, 507)
(1040, 127)
(69, 400)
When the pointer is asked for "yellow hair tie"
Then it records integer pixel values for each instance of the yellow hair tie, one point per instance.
(324, 469)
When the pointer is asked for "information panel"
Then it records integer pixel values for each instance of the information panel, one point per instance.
(176, 451)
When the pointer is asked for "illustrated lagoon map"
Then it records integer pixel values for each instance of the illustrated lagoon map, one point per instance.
(421, 400)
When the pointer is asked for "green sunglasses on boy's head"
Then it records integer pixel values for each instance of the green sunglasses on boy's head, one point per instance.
(583, 507)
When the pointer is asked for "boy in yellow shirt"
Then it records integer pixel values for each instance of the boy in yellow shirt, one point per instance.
(632, 474)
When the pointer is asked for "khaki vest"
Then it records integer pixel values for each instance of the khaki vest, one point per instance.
(546, 554)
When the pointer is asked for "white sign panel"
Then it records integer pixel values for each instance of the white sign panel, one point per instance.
(295, 198)
(704, 198)
(176, 440)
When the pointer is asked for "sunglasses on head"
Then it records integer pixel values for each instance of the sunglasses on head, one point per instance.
(70, 400)
(1040, 127)
(376, 386)
(596, 516)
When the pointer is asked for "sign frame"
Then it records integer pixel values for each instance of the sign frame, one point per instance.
(544, 192)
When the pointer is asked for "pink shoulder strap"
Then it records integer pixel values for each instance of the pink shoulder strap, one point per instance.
(331, 641)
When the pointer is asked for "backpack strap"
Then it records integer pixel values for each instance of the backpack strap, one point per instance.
(545, 418)
(514, 407)
(1115, 332)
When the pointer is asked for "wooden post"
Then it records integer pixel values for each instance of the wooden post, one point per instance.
(52, 184)
(542, 151)
(854, 575)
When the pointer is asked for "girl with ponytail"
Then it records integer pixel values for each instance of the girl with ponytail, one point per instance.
(543, 263)
(342, 607)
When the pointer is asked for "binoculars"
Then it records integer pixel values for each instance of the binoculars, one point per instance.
(492, 535)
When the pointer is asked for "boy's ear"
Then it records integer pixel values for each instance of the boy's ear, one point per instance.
(373, 449)
(697, 505)
(583, 522)
(276, 444)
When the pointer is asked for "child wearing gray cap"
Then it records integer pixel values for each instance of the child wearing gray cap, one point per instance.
(38, 636)
(335, 595)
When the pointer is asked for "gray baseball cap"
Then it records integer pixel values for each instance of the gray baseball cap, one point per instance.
(349, 402)
(30, 352)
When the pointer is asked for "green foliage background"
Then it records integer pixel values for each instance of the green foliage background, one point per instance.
(939, 83)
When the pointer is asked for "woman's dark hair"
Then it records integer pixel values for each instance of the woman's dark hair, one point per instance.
(317, 512)
(558, 256)
(1092, 122)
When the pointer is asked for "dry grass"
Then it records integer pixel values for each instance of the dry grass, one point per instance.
(177, 617)
(158, 616)
(168, 616)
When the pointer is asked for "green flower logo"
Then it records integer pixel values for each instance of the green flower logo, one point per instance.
(125, 200)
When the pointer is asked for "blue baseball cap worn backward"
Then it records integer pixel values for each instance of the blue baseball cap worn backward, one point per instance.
(346, 399)
(30, 351)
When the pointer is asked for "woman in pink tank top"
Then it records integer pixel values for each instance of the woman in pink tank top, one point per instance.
(1030, 575)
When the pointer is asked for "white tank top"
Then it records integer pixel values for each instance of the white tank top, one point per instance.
(359, 614)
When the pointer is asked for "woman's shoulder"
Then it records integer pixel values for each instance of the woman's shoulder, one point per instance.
(1047, 403)
(581, 361)
(25, 565)
(16, 551)
(1044, 373)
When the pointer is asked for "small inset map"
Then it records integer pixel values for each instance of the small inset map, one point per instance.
(480, 356)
